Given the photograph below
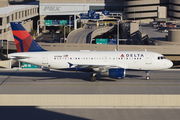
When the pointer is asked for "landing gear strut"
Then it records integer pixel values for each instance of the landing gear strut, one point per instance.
(93, 77)
(147, 75)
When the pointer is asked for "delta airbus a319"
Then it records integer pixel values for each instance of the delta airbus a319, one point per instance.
(107, 63)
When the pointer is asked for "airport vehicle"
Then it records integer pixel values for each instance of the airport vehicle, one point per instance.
(89, 26)
(172, 26)
(164, 29)
(108, 63)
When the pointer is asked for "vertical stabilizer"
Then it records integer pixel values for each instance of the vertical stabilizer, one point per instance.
(23, 40)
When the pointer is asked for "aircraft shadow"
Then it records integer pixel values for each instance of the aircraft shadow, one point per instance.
(60, 75)
(33, 113)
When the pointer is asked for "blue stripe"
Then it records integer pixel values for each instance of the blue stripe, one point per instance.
(16, 26)
(35, 47)
(21, 43)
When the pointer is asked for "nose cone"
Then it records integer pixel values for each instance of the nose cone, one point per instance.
(169, 64)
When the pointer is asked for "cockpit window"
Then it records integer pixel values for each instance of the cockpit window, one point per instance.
(161, 57)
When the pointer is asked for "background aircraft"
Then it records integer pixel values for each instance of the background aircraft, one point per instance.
(108, 63)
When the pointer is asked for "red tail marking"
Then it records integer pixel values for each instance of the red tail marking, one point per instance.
(17, 45)
(21, 34)
(27, 43)
(25, 37)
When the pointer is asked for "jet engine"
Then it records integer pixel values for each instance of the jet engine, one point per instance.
(117, 73)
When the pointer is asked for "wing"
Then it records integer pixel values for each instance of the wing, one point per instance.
(96, 67)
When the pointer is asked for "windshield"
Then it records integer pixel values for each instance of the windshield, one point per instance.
(161, 57)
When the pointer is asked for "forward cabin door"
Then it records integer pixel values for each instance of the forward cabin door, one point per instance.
(45, 58)
(148, 59)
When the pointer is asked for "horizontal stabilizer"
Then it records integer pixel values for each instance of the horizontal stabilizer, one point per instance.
(17, 57)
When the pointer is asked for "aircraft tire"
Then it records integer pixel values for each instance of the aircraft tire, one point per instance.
(147, 78)
(93, 78)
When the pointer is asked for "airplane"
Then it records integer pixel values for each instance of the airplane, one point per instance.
(108, 63)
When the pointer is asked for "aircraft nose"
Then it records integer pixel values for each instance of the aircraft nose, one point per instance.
(170, 64)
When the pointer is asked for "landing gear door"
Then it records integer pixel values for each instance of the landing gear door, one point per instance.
(45, 59)
(148, 59)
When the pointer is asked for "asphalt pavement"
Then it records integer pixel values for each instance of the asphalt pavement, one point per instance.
(83, 36)
(63, 82)
(35, 113)
(153, 33)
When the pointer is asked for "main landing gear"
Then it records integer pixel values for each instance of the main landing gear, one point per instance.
(147, 75)
(93, 77)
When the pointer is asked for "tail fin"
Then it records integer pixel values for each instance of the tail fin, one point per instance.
(23, 40)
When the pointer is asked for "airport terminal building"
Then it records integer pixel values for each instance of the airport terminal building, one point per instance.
(132, 9)
(23, 13)
(20, 11)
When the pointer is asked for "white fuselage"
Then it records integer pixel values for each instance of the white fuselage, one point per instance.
(139, 60)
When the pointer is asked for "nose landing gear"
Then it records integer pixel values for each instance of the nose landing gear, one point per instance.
(147, 75)
(93, 77)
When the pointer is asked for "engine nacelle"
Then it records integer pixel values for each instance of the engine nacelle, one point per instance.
(117, 73)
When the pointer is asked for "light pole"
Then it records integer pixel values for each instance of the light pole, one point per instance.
(118, 35)
(134, 14)
(37, 28)
(2, 40)
(70, 24)
(64, 32)
(38, 25)
(8, 43)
